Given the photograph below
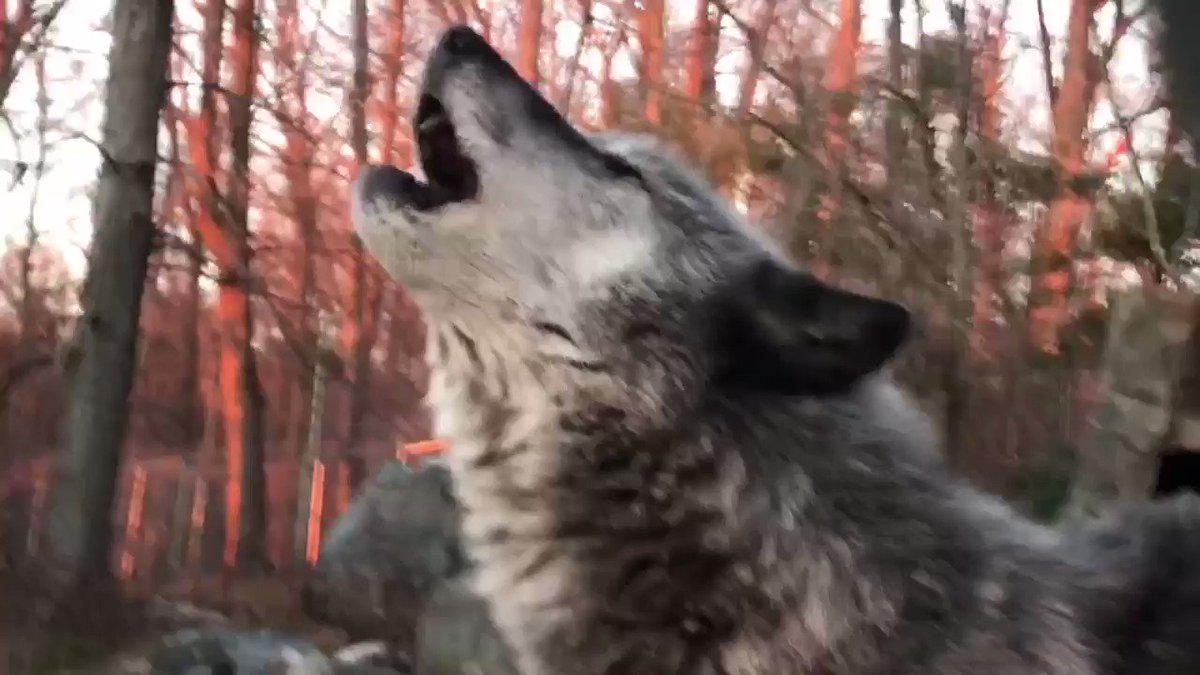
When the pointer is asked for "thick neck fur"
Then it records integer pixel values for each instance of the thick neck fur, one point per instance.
(628, 522)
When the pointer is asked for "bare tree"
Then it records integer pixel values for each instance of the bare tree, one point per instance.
(21, 36)
(223, 228)
(610, 108)
(101, 365)
(841, 75)
(651, 35)
(1049, 298)
(390, 148)
(529, 41)
(245, 499)
(990, 230)
(359, 329)
(292, 114)
(756, 43)
(700, 71)
(894, 140)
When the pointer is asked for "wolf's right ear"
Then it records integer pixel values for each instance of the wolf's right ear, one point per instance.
(784, 331)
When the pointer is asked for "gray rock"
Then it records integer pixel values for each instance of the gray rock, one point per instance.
(1144, 356)
(382, 559)
(233, 652)
(456, 635)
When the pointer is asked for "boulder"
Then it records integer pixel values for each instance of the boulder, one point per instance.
(233, 652)
(1145, 362)
(384, 557)
(456, 635)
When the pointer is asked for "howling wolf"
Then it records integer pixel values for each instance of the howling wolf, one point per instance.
(677, 454)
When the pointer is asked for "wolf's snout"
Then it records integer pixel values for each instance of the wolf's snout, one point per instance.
(463, 41)
(458, 46)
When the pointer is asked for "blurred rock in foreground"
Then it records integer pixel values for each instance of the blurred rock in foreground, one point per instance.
(456, 635)
(392, 568)
(233, 652)
(382, 559)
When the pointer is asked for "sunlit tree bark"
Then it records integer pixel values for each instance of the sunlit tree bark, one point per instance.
(1049, 310)
(651, 34)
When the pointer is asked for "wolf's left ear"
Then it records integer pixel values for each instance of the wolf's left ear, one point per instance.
(785, 331)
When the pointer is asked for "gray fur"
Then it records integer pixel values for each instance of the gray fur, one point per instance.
(646, 493)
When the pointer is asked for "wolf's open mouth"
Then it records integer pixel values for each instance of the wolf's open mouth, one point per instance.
(452, 175)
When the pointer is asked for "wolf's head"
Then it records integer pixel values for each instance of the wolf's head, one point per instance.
(525, 224)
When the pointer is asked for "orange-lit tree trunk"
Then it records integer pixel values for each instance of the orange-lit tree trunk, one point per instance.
(103, 358)
(700, 70)
(839, 83)
(529, 40)
(1049, 309)
(651, 35)
(179, 205)
(990, 220)
(392, 148)
(202, 134)
(222, 225)
(246, 519)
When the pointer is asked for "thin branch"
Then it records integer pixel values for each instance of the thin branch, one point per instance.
(1047, 64)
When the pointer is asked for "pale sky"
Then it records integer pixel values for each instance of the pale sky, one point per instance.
(76, 69)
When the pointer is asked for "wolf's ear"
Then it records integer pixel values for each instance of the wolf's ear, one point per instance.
(784, 331)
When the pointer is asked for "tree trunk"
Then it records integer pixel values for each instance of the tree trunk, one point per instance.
(103, 356)
(24, 29)
(700, 70)
(391, 150)
(529, 40)
(191, 417)
(610, 99)
(358, 333)
(292, 114)
(587, 24)
(311, 451)
(1049, 310)
(651, 34)
(245, 498)
(990, 230)
(839, 83)
(958, 273)
(894, 139)
(756, 44)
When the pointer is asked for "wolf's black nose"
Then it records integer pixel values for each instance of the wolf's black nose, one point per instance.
(461, 41)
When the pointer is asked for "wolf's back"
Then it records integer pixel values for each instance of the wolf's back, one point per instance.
(1145, 595)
